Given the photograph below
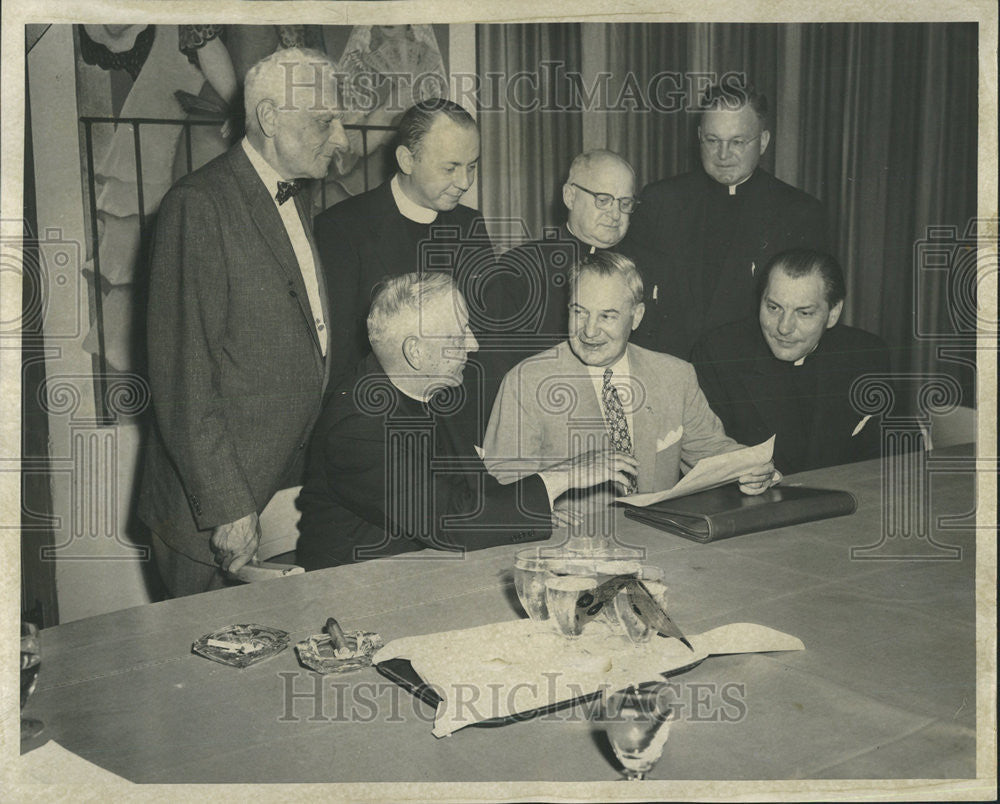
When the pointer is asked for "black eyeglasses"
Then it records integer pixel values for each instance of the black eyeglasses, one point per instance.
(605, 200)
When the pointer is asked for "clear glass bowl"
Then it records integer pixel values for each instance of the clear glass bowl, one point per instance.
(546, 578)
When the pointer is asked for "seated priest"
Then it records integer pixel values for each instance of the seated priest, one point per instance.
(789, 371)
(394, 466)
(597, 388)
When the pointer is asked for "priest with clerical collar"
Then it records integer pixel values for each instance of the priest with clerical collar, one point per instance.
(701, 237)
(414, 222)
(532, 279)
(789, 372)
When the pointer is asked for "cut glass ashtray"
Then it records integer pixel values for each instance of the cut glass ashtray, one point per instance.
(241, 645)
(318, 652)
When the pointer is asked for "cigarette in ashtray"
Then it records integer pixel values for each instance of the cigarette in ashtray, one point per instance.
(233, 647)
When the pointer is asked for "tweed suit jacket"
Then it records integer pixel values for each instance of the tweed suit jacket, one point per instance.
(547, 410)
(236, 371)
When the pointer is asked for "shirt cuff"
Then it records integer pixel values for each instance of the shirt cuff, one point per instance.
(553, 487)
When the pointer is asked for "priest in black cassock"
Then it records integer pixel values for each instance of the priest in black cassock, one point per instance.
(411, 223)
(700, 237)
(531, 287)
(789, 371)
(393, 468)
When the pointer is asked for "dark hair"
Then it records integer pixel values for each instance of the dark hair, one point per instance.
(733, 93)
(418, 119)
(798, 262)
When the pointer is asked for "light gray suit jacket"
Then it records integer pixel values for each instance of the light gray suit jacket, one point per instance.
(548, 410)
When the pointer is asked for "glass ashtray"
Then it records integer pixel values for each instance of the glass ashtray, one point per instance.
(241, 645)
(318, 653)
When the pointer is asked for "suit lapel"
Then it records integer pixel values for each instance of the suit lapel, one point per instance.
(644, 419)
(265, 217)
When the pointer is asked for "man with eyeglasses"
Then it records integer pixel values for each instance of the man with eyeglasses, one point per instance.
(702, 236)
(599, 195)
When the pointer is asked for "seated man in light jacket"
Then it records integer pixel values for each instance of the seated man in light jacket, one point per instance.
(596, 388)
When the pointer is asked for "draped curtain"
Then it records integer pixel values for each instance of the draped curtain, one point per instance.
(887, 135)
(879, 121)
(527, 143)
(657, 137)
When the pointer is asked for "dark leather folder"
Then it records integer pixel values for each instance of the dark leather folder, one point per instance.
(725, 511)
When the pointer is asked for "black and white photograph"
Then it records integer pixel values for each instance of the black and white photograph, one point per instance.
(525, 402)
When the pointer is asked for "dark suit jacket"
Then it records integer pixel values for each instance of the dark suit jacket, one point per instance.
(673, 232)
(235, 366)
(755, 394)
(365, 238)
(530, 291)
(388, 475)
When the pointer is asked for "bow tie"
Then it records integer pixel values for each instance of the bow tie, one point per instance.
(286, 189)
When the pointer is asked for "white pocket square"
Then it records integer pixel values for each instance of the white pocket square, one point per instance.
(669, 439)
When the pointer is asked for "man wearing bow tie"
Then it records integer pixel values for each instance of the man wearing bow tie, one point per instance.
(238, 327)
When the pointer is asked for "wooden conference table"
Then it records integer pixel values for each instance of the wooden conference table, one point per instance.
(884, 689)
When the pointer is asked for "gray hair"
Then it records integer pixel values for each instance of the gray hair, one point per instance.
(269, 79)
(585, 162)
(608, 263)
(406, 293)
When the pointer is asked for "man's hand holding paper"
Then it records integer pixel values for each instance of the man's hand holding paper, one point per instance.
(751, 466)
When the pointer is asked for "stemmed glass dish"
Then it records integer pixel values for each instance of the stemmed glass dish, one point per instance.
(637, 722)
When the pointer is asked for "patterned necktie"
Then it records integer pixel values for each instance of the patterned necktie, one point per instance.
(286, 189)
(614, 413)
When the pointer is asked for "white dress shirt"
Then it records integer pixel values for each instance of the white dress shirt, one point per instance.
(301, 245)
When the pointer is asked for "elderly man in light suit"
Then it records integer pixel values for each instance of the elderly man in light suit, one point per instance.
(596, 388)
(238, 328)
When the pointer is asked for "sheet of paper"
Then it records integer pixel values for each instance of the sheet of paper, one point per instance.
(503, 669)
(709, 472)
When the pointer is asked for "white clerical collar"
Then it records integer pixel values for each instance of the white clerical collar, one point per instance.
(732, 187)
(593, 248)
(407, 208)
(802, 359)
(620, 368)
(267, 174)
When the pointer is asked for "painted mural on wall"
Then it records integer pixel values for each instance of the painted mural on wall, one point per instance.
(160, 100)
